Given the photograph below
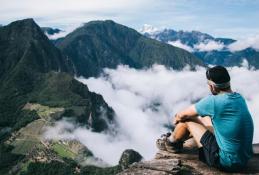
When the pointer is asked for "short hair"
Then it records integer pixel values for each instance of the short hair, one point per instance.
(218, 74)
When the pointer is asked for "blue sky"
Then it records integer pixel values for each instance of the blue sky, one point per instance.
(220, 18)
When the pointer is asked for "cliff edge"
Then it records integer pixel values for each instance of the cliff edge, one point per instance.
(185, 163)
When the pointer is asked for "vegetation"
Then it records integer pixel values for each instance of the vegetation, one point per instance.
(33, 70)
(62, 151)
(68, 168)
(54, 167)
(7, 158)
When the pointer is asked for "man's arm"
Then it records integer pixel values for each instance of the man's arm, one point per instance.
(188, 113)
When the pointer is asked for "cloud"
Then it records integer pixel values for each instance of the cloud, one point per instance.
(206, 46)
(61, 34)
(242, 44)
(68, 12)
(145, 101)
(209, 46)
(199, 15)
(178, 43)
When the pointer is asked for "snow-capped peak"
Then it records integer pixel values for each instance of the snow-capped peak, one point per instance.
(148, 29)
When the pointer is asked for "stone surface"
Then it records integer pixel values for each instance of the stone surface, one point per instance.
(185, 163)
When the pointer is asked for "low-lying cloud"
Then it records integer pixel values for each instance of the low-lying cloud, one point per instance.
(205, 46)
(252, 42)
(179, 44)
(209, 46)
(57, 35)
(145, 101)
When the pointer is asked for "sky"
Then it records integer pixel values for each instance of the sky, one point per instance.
(220, 18)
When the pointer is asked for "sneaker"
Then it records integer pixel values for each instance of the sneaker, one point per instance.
(160, 143)
(174, 147)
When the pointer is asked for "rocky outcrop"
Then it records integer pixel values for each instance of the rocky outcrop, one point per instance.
(129, 157)
(185, 163)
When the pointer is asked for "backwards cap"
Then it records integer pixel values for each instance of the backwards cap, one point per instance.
(219, 76)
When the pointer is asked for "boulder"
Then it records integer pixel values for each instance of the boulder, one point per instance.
(129, 157)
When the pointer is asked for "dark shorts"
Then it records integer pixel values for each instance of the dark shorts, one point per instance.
(209, 152)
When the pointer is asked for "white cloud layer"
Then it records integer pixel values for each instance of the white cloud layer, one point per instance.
(241, 44)
(179, 44)
(209, 46)
(145, 101)
(61, 34)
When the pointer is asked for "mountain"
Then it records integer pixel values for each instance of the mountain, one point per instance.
(31, 64)
(185, 37)
(228, 58)
(209, 49)
(37, 88)
(100, 44)
(53, 33)
(50, 31)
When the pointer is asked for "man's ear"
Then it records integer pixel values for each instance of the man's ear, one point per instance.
(215, 90)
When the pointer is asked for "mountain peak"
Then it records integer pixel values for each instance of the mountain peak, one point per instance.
(24, 22)
(24, 29)
(148, 29)
(99, 22)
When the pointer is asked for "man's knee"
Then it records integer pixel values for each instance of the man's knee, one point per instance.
(180, 132)
(181, 125)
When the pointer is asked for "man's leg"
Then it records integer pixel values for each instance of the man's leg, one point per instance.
(180, 133)
(206, 121)
(197, 130)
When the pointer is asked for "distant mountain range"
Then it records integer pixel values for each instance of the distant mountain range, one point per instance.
(37, 88)
(100, 44)
(210, 50)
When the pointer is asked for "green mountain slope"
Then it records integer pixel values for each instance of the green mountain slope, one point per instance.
(32, 69)
(37, 88)
(100, 44)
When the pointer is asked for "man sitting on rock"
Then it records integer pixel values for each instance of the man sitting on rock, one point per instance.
(220, 124)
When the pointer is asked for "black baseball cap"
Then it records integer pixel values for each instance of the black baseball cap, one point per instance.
(219, 75)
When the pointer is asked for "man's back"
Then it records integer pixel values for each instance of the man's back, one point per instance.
(233, 126)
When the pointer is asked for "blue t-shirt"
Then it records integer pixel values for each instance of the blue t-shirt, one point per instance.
(233, 127)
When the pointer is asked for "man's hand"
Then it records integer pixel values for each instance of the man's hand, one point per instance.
(184, 115)
(177, 119)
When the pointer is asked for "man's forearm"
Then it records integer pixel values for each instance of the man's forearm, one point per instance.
(186, 114)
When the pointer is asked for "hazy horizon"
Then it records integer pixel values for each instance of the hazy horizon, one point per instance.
(232, 18)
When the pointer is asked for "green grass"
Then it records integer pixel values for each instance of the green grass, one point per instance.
(63, 151)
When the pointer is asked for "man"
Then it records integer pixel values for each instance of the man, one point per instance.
(220, 124)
